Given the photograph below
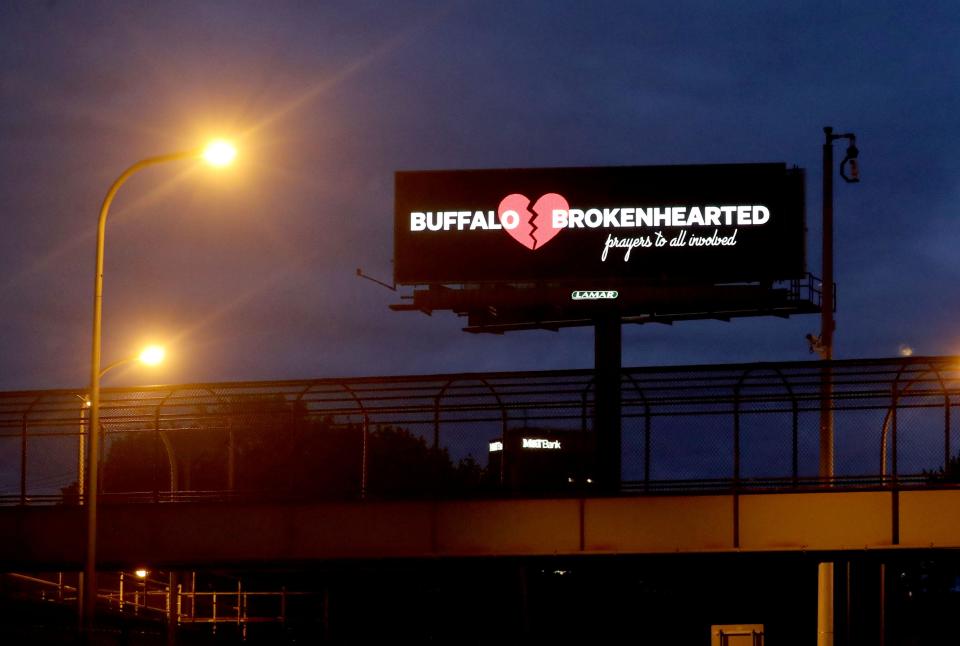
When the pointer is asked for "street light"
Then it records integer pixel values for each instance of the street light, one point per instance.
(217, 153)
(151, 355)
(850, 173)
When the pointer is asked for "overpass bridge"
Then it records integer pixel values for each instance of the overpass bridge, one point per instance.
(250, 534)
(715, 460)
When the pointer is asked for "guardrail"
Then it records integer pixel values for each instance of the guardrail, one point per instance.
(685, 428)
(144, 596)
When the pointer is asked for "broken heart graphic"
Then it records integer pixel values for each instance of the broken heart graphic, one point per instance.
(534, 225)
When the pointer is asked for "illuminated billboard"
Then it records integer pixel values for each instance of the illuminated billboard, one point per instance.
(700, 225)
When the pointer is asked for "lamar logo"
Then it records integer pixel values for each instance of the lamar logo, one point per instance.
(531, 227)
(594, 295)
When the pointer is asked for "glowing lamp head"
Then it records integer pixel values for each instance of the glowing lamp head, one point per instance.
(152, 355)
(141, 573)
(219, 152)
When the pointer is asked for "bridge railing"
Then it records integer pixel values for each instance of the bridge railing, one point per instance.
(685, 428)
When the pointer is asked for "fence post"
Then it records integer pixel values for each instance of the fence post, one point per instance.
(646, 449)
(231, 459)
(895, 494)
(436, 421)
(23, 461)
(155, 458)
(364, 457)
(893, 433)
(946, 435)
(736, 467)
(503, 440)
(736, 438)
(796, 439)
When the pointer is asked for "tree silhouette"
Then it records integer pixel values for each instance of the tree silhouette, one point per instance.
(268, 445)
(950, 473)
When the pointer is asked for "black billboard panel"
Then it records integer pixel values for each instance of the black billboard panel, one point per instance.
(706, 224)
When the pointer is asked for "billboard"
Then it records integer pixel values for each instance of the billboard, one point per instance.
(702, 225)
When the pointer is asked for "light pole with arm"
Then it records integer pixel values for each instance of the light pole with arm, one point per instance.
(218, 153)
(151, 355)
(850, 173)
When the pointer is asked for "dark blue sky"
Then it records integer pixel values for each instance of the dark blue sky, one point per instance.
(250, 273)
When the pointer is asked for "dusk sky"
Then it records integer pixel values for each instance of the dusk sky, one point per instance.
(249, 272)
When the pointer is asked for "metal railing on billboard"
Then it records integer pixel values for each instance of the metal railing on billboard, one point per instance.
(684, 429)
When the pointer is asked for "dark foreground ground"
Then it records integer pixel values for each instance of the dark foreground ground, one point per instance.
(589, 600)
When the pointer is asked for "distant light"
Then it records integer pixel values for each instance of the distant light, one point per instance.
(141, 573)
(496, 446)
(905, 350)
(219, 152)
(153, 355)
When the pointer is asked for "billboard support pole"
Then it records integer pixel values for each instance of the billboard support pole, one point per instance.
(606, 409)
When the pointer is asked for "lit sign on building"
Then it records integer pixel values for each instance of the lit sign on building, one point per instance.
(691, 224)
(528, 443)
(541, 458)
(540, 443)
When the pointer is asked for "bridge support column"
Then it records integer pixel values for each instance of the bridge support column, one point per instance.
(825, 604)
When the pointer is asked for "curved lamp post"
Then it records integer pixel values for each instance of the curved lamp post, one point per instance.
(151, 356)
(217, 153)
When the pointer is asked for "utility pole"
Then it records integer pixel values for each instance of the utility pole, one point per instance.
(850, 173)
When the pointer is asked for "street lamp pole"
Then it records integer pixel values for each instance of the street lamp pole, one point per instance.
(219, 153)
(849, 172)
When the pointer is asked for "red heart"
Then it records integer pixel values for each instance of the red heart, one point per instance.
(534, 227)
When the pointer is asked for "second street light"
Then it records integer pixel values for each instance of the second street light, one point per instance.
(217, 153)
(151, 355)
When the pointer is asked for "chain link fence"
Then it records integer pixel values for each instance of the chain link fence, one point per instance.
(490, 434)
